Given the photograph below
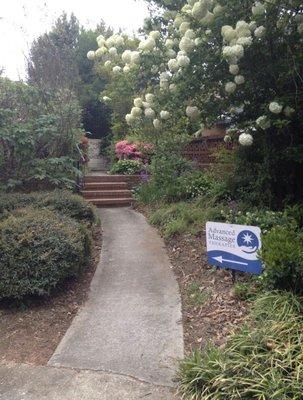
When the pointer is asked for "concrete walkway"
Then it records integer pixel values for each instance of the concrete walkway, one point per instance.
(26, 382)
(131, 324)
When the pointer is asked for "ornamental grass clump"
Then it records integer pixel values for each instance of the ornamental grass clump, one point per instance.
(264, 360)
(38, 250)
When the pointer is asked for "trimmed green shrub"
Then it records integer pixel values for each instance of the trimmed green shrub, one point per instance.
(282, 255)
(127, 167)
(61, 201)
(70, 204)
(262, 361)
(38, 250)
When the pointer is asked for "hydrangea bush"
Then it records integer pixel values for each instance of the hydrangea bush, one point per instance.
(210, 60)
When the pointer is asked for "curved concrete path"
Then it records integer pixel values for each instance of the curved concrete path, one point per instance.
(131, 324)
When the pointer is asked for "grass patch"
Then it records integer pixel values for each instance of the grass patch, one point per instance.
(263, 360)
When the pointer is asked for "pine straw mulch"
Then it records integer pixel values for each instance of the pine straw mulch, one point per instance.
(210, 310)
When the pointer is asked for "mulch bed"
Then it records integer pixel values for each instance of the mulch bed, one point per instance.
(31, 332)
(210, 310)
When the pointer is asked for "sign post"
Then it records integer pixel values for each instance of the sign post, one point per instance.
(234, 247)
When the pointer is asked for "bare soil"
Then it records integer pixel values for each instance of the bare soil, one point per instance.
(30, 333)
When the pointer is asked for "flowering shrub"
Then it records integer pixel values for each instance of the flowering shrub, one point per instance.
(210, 60)
(133, 151)
(127, 167)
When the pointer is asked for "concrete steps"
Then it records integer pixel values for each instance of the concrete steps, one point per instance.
(108, 190)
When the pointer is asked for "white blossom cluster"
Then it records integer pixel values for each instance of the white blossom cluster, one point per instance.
(178, 47)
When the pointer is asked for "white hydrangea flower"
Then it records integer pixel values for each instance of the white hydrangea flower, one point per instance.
(178, 21)
(191, 2)
(149, 113)
(260, 32)
(243, 29)
(275, 107)
(164, 114)
(171, 53)
(91, 55)
(218, 10)
(289, 111)
(100, 52)
(110, 41)
(126, 68)
(208, 19)
(150, 98)
(186, 44)
(198, 41)
(245, 139)
(135, 57)
(106, 99)
(199, 9)
(245, 41)
(186, 9)
(232, 53)
(192, 112)
(239, 79)
(169, 43)
(173, 65)
(263, 122)
(230, 87)
(183, 61)
(107, 64)
(157, 124)
(190, 34)
(173, 87)
(147, 45)
(138, 102)
(136, 112)
(113, 52)
(184, 27)
(119, 41)
(258, 9)
(208, 32)
(154, 35)
(117, 69)
(228, 33)
(129, 119)
(101, 41)
(126, 56)
(234, 69)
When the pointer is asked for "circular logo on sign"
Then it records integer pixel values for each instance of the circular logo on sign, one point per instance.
(248, 242)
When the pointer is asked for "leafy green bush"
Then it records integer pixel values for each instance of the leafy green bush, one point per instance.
(38, 250)
(262, 361)
(69, 204)
(127, 167)
(265, 219)
(64, 202)
(282, 256)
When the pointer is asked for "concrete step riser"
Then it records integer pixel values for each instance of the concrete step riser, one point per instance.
(115, 194)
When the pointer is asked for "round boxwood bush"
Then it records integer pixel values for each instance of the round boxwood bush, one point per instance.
(38, 250)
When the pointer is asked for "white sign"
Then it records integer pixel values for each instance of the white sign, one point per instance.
(234, 246)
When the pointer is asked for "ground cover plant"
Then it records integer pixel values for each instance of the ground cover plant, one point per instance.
(262, 360)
